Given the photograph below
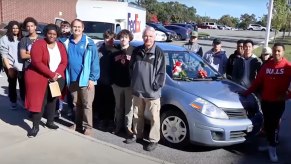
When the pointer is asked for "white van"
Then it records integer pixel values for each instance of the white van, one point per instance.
(99, 16)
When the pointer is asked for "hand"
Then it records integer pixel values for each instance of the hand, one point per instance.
(55, 78)
(90, 85)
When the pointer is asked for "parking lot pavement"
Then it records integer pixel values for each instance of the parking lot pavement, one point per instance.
(54, 146)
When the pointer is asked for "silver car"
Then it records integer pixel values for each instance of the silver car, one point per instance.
(206, 109)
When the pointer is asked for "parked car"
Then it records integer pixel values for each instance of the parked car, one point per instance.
(207, 111)
(171, 35)
(182, 33)
(188, 26)
(160, 36)
(208, 25)
(195, 26)
(256, 27)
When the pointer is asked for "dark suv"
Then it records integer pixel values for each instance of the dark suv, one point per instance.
(171, 35)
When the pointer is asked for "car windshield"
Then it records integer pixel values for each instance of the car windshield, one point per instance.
(188, 67)
(95, 30)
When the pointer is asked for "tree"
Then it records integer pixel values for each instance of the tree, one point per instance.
(280, 13)
(228, 20)
(247, 19)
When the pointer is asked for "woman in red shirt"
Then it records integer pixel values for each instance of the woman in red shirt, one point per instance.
(272, 82)
(48, 64)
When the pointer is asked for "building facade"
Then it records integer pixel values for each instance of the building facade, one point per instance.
(42, 10)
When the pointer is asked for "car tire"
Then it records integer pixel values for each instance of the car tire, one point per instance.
(263, 29)
(251, 29)
(174, 129)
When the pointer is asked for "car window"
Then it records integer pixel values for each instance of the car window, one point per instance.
(191, 65)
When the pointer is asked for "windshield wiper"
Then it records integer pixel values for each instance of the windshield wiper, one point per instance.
(95, 37)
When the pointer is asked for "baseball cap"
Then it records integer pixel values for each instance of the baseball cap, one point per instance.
(194, 34)
(266, 50)
(216, 41)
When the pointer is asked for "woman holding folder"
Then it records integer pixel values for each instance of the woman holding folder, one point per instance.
(44, 78)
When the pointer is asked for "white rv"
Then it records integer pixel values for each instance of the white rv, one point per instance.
(99, 16)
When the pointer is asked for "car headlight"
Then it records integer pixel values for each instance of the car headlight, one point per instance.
(208, 109)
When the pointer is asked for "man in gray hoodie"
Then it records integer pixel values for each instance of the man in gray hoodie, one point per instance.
(148, 75)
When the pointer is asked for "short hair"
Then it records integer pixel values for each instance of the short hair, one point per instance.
(108, 34)
(279, 44)
(29, 19)
(248, 41)
(51, 26)
(65, 22)
(123, 33)
(240, 41)
(148, 28)
(77, 20)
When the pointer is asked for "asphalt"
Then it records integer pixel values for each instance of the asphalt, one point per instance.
(63, 145)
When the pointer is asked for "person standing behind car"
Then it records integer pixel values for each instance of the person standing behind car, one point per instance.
(9, 51)
(104, 102)
(25, 44)
(216, 57)
(48, 64)
(273, 81)
(193, 45)
(148, 76)
(82, 74)
(245, 68)
(237, 54)
(121, 82)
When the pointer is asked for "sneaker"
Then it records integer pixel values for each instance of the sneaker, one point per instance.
(151, 146)
(130, 140)
(13, 106)
(273, 154)
(88, 132)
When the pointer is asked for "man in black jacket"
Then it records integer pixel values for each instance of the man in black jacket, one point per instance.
(237, 53)
(148, 75)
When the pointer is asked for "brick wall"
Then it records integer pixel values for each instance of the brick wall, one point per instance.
(41, 10)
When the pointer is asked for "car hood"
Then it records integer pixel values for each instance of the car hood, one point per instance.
(221, 93)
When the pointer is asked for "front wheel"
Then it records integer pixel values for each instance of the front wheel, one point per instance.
(174, 129)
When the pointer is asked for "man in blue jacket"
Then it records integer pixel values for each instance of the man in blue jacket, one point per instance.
(81, 75)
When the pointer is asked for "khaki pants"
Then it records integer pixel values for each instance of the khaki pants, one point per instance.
(123, 107)
(82, 100)
(140, 105)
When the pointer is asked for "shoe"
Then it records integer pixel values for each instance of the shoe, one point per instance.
(131, 140)
(13, 106)
(88, 132)
(151, 146)
(52, 125)
(273, 154)
(33, 132)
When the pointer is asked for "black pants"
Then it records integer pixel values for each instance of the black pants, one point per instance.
(48, 106)
(272, 112)
(14, 75)
(104, 102)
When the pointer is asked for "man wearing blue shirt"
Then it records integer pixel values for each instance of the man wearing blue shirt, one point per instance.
(81, 75)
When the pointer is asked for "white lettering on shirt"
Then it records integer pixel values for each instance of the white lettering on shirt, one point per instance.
(277, 71)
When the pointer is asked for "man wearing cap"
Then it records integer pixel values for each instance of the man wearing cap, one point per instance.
(193, 45)
(266, 54)
(246, 68)
(216, 57)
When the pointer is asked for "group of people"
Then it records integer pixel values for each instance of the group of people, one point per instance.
(268, 76)
(66, 59)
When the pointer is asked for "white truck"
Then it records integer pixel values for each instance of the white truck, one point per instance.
(99, 16)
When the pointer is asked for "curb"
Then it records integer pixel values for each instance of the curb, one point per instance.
(63, 128)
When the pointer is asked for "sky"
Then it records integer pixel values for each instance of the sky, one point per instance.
(217, 8)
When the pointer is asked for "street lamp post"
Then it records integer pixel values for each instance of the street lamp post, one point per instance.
(269, 20)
